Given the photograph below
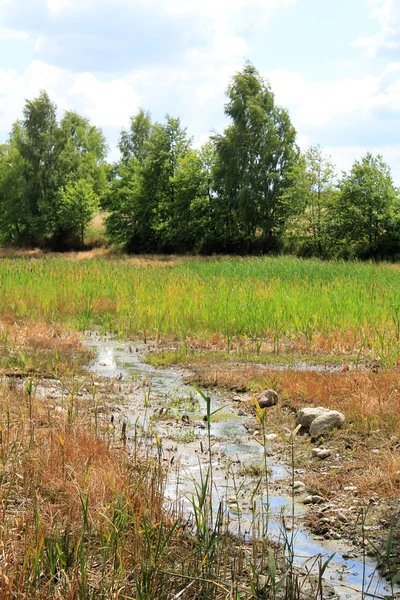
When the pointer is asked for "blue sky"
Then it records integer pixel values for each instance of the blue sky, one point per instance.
(335, 64)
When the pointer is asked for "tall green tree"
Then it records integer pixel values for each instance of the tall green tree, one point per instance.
(132, 142)
(149, 209)
(37, 139)
(367, 210)
(253, 157)
(42, 159)
(309, 201)
(78, 205)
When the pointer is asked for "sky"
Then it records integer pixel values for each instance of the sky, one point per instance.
(334, 64)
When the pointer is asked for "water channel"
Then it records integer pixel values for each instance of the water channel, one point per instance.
(157, 388)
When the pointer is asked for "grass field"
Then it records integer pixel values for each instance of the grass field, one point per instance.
(264, 303)
(79, 518)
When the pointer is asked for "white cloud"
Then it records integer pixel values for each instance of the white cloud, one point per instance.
(344, 156)
(12, 34)
(107, 104)
(317, 103)
(387, 13)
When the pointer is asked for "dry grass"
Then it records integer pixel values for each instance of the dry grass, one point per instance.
(39, 347)
(53, 463)
(369, 400)
(80, 518)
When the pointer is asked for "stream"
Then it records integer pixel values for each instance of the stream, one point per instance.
(156, 400)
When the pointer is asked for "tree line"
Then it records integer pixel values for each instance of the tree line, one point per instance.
(247, 190)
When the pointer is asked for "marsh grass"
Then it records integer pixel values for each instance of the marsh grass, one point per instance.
(306, 306)
(80, 517)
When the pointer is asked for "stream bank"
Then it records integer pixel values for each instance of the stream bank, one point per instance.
(160, 401)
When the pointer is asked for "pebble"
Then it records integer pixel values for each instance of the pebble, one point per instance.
(341, 516)
(297, 485)
(321, 453)
(375, 451)
(313, 500)
(350, 488)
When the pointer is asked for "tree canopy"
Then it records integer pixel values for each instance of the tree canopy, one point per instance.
(42, 159)
(248, 189)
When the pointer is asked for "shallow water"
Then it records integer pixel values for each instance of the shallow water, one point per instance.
(116, 359)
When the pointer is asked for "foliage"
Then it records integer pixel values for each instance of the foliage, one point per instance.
(159, 198)
(366, 211)
(253, 157)
(308, 203)
(41, 159)
(248, 190)
(78, 205)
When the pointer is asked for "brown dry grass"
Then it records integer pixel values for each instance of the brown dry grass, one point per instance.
(51, 462)
(39, 347)
(369, 400)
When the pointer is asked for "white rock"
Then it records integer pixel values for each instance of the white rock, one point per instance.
(321, 453)
(306, 416)
(298, 485)
(326, 422)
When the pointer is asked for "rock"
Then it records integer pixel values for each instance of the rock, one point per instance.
(313, 500)
(271, 437)
(321, 453)
(350, 488)
(337, 536)
(341, 517)
(267, 399)
(306, 416)
(298, 485)
(326, 422)
(376, 451)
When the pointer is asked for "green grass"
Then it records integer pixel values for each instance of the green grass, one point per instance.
(166, 358)
(309, 304)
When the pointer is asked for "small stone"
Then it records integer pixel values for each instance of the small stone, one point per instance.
(350, 488)
(306, 416)
(313, 500)
(375, 451)
(341, 517)
(326, 422)
(337, 536)
(321, 453)
(271, 437)
(267, 399)
(297, 485)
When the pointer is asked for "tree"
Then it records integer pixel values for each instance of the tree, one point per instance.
(367, 210)
(14, 207)
(145, 200)
(253, 157)
(309, 199)
(42, 159)
(132, 142)
(37, 141)
(78, 205)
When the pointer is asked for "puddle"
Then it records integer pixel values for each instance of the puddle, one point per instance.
(231, 443)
